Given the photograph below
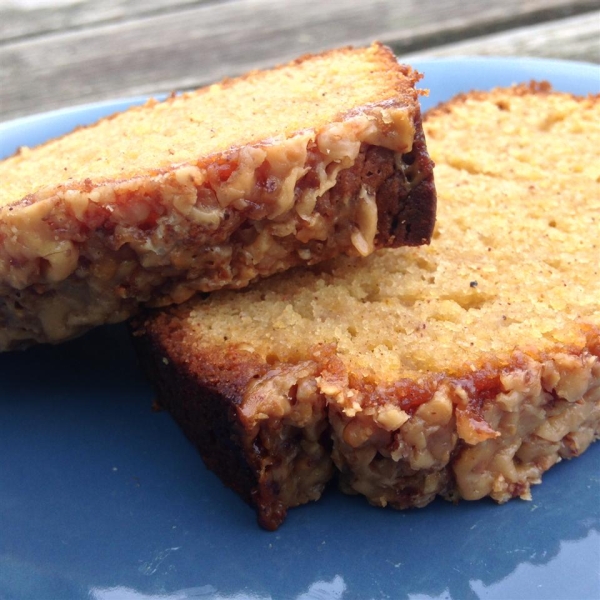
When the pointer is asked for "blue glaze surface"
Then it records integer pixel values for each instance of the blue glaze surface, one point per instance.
(103, 499)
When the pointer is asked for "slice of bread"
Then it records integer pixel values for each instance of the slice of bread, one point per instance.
(212, 189)
(463, 369)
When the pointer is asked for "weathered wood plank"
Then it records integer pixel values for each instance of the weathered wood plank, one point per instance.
(23, 18)
(576, 38)
(191, 47)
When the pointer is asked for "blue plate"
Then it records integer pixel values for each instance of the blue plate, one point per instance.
(103, 499)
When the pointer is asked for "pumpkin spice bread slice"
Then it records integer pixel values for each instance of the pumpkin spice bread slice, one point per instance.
(464, 369)
(212, 189)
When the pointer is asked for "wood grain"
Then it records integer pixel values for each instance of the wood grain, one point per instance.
(24, 18)
(185, 46)
(21, 20)
(576, 38)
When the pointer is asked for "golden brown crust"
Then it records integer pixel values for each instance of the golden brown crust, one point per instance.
(537, 88)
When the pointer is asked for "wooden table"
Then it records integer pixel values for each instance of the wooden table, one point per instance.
(56, 53)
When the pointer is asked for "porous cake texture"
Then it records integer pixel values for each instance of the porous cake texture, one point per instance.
(463, 369)
(212, 189)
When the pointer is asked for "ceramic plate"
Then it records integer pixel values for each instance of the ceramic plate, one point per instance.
(103, 499)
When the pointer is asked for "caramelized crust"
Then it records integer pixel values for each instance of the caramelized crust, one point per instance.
(277, 433)
(152, 206)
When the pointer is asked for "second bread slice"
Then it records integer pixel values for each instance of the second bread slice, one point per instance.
(464, 369)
